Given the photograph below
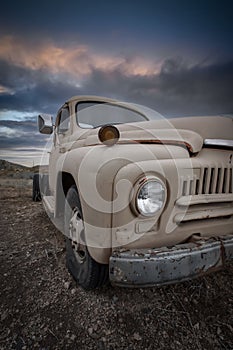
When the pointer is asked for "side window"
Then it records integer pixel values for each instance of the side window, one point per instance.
(63, 120)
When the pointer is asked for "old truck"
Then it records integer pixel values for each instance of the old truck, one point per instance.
(142, 200)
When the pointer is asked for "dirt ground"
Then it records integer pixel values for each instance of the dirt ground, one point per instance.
(42, 308)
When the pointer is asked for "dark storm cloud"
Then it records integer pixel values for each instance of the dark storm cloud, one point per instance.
(15, 134)
(28, 125)
(32, 90)
(177, 89)
(161, 25)
(52, 50)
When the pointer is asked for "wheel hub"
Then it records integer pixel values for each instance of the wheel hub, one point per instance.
(76, 233)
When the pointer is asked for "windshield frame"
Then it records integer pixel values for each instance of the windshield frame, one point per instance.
(127, 106)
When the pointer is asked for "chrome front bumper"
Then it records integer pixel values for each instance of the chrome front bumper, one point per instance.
(155, 267)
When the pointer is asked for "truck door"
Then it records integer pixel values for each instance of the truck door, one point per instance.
(61, 137)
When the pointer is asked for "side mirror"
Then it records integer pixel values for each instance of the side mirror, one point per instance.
(45, 124)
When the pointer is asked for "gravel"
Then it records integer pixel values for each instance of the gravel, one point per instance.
(42, 308)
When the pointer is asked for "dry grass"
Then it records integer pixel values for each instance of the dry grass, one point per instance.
(10, 187)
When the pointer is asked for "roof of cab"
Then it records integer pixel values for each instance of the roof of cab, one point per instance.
(90, 98)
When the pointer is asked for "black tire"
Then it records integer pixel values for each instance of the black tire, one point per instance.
(36, 194)
(85, 270)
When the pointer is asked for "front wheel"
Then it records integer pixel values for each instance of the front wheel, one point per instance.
(85, 270)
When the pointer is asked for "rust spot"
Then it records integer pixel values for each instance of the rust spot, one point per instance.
(230, 159)
(183, 144)
(215, 268)
(144, 179)
(223, 253)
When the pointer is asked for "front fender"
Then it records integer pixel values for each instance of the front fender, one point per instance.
(94, 171)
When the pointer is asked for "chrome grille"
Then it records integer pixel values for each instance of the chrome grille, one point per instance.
(212, 180)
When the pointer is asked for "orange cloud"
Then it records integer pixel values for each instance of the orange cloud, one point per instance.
(78, 61)
(5, 90)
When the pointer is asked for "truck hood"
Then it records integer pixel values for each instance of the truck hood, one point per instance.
(189, 132)
(216, 127)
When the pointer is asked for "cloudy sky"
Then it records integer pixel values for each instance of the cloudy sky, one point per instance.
(173, 56)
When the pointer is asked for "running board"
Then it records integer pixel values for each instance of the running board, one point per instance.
(49, 204)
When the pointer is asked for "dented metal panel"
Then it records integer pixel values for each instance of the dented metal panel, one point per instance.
(154, 267)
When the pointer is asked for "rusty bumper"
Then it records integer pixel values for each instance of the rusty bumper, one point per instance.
(154, 267)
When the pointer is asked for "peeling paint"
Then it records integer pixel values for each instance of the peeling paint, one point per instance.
(170, 265)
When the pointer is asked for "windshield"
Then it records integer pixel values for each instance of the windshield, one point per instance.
(94, 114)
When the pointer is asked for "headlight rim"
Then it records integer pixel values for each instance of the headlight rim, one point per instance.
(140, 183)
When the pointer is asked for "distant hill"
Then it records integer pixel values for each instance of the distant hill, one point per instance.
(8, 169)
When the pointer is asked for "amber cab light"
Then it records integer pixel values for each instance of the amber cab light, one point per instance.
(109, 135)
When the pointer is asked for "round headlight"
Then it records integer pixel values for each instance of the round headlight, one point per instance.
(150, 198)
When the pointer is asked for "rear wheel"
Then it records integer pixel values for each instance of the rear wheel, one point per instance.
(36, 194)
(85, 270)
